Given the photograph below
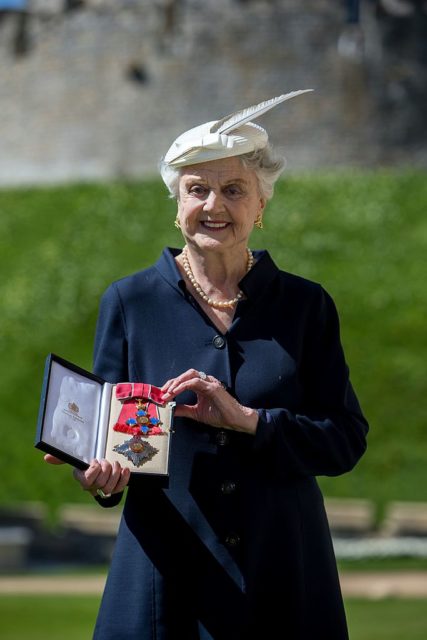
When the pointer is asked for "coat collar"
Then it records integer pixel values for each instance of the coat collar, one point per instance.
(253, 284)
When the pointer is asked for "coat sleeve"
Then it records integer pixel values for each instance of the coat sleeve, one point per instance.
(328, 436)
(110, 359)
(111, 353)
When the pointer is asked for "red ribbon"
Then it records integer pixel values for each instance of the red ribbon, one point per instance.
(127, 390)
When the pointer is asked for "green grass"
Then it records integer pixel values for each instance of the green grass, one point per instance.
(387, 619)
(363, 236)
(53, 617)
(382, 564)
(71, 617)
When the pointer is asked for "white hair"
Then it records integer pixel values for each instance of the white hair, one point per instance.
(263, 162)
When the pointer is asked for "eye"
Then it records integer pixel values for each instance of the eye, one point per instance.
(198, 190)
(233, 191)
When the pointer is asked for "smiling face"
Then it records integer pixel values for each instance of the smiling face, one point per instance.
(218, 204)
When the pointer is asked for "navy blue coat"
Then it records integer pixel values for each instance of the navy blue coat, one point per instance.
(237, 545)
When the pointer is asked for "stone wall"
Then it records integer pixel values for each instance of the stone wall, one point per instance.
(100, 89)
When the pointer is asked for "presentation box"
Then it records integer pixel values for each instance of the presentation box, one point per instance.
(82, 417)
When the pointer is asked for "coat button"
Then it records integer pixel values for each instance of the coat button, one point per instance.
(218, 342)
(232, 540)
(228, 487)
(222, 438)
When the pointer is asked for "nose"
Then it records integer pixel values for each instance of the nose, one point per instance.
(213, 201)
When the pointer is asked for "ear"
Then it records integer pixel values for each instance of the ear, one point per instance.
(261, 206)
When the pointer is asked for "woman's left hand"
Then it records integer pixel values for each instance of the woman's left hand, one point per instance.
(214, 406)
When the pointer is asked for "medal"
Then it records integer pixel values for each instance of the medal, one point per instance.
(144, 419)
(140, 419)
(137, 450)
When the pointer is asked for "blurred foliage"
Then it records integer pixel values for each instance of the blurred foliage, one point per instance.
(362, 235)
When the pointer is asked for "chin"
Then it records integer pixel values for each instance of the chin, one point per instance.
(209, 242)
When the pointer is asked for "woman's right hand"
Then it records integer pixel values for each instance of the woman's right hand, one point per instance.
(100, 475)
(104, 476)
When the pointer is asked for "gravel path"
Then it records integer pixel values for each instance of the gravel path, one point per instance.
(37, 585)
(372, 585)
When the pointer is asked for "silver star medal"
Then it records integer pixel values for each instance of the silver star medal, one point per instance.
(137, 450)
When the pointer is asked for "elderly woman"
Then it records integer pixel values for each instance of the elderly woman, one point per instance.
(237, 544)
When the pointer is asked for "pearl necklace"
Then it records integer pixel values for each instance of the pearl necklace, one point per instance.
(213, 303)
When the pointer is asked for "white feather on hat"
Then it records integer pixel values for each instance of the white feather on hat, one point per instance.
(230, 136)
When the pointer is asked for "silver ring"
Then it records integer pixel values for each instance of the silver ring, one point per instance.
(102, 494)
(202, 375)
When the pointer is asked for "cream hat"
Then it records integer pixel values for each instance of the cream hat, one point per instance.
(231, 136)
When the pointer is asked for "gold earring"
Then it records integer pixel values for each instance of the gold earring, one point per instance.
(177, 223)
(258, 222)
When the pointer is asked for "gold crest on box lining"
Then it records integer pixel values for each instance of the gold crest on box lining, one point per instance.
(73, 407)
